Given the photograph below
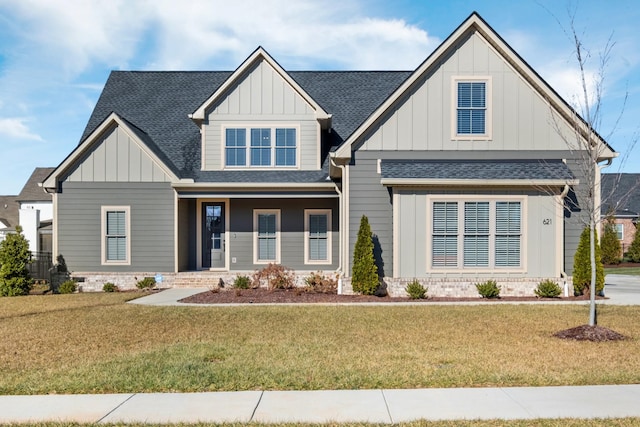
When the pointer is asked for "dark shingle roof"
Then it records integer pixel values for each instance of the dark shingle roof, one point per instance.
(620, 192)
(9, 211)
(157, 105)
(32, 192)
(476, 169)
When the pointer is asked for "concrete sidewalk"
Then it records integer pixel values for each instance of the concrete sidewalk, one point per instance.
(376, 406)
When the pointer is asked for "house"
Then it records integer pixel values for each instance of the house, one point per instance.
(36, 212)
(8, 215)
(621, 199)
(199, 176)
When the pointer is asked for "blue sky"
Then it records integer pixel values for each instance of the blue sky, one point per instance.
(56, 55)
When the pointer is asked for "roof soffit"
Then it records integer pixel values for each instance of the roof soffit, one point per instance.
(258, 55)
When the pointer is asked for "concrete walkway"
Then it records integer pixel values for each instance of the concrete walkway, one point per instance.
(375, 406)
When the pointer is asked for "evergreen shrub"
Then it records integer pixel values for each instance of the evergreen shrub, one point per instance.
(14, 257)
(364, 278)
(582, 265)
(548, 289)
(416, 290)
(488, 289)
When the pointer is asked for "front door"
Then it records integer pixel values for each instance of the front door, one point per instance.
(213, 241)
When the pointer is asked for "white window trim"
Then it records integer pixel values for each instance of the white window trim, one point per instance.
(621, 225)
(103, 234)
(461, 199)
(256, 213)
(307, 214)
(248, 127)
(488, 117)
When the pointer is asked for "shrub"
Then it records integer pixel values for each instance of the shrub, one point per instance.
(582, 265)
(146, 283)
(320, 284)
(364, 277)
(242, 282)
(548, 289)
(488, 289)
(14, 257)
(415, 290)
(109, 287)
(609, 243)
(67, 287)
(634, 249)
(274, 276)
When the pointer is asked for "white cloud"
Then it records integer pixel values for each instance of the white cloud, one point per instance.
(16, 128)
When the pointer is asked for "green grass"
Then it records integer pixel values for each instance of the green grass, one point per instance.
(95, 343)
(631, 271)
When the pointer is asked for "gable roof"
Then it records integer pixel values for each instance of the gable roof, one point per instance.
(157, 104)
(620, 193)
(144, 142)
(475, 23)
(32, 192)
(258, 55)
(9, 212)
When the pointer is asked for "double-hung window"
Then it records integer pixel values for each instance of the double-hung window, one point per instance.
(266, 226)
(236, 147)
(317, 236)
(476, 234)
(266, 147)
(116, 242)
(620, 231)
(472, 114)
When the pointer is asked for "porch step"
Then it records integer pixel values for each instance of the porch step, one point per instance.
(197, 279)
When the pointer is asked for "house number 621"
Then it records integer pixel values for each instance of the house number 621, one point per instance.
(546, 221)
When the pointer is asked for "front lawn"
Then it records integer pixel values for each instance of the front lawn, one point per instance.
(629, 271)
(95, 343)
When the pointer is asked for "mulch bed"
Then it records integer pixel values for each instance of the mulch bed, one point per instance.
(589, 333)
(265, 296)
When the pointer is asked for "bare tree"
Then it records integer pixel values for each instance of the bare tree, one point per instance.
(586, 144)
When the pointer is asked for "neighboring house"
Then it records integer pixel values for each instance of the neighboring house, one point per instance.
(621, 198)
(8, 215)
(457, 166)
(36, 212)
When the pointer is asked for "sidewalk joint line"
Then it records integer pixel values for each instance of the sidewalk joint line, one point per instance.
(116, 408)
(386, 404)
(257, 404)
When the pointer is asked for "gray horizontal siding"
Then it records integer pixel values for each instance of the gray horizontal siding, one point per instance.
(240, 239)
(368, 197)
(152, 221)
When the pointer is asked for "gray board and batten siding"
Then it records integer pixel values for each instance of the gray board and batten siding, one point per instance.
(367, 196)
(422, 119)
(152, 220)
(262, 98)
(115, 157)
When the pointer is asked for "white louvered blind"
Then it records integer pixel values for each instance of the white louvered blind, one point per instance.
(116, 236)
(476, 234)
(445, 234)
(508, 232)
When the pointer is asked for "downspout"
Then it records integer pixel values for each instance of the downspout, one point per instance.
(339, 270)
(563, 274)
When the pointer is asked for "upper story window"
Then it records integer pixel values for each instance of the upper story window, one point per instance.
(472, 108)
(267, 147)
